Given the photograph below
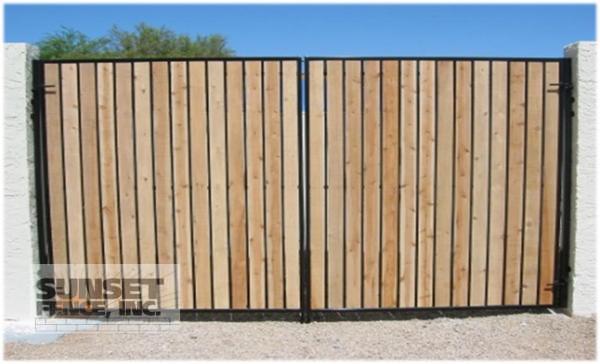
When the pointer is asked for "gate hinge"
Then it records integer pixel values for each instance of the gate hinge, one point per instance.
(563, 85)
(43, 87)
(559, 283)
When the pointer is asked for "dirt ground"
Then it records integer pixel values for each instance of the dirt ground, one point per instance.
(519, 336)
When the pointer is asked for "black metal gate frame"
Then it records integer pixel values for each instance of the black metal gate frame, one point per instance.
(306, 314)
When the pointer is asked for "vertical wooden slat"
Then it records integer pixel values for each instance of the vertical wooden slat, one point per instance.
(371, 140)
(163, 192)
(549, 193)
(443, 233)
(516, 162)
(126, 173)
(291, 183)
(426, 190)
(353, 187)
(108, 172)
(273, 184)
(390, 173)
(200, 194)
(408, 184)
(255, 184)
(462, 176)
(532, 183)
(73, 188)
(54, 150)
(497, 182)
(316, 184)
(183, 251)
(480, 170)
(218, 184)
(145, 190)
(91, 187)
(237, 204)
(335, 185)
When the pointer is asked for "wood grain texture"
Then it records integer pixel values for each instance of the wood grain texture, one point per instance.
(426, 203)
(480, 170)
(316, 184)
(201, 225)
(498, 149)
(390, 177)
(163, 183)
(273, 173)
(516, 165)
(127, 169)
(108, 172)
(56, 197)
(354, 172)
(72, 170)
(218, 183)
(237, 183)
(445, 144)
(91, 186)
(550, 186)
(291, 182)
(462, 184)
(181, 180)
(533, 162)
(335, 185)
(408, 184)
(371, 179)
(145, 178)
(254, 119)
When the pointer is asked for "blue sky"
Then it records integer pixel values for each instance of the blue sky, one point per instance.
(334, 30)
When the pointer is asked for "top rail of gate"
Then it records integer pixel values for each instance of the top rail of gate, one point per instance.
(167, 59)
(433, 58)
(307, 58)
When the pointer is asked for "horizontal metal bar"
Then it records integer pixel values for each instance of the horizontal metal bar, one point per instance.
(240, 315)
(340, 314)
(168, 59)
(229, 310)
(444, 58)
(239, 310)
(196, 314)
(444, 308)
(423, 313)
(316, 58)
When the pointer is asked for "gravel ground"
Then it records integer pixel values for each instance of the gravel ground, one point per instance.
(520, 336)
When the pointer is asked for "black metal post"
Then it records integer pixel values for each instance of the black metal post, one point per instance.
(304, 193)
(41, 185)
(562, 269)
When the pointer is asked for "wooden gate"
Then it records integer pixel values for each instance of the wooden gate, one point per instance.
(434, 182)
(430, 183)
(193, 162)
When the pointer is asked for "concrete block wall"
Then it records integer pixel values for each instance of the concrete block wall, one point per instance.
(20, 224)
(582, 297)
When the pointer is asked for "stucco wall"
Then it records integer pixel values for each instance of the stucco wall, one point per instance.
(20, 238)
(582, 300)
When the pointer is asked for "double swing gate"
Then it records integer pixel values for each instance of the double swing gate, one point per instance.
(310, 189)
